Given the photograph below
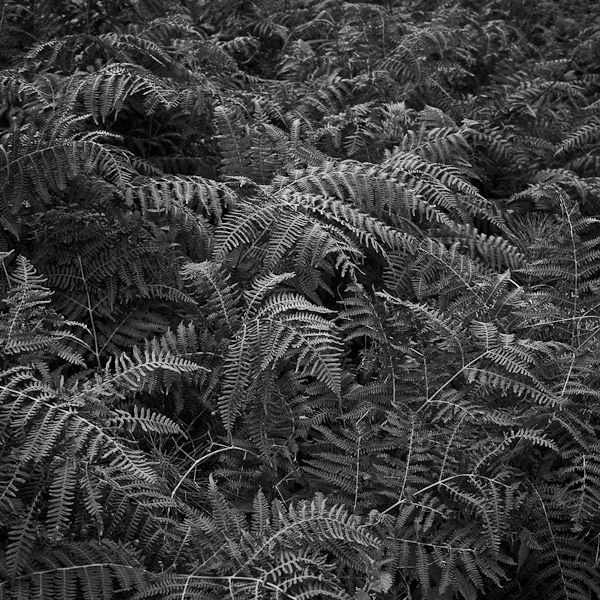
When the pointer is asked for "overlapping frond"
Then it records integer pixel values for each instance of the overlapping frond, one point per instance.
(299, 300)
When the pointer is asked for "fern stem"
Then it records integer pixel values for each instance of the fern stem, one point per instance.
(408, 459)
(91, 313)
(357, 474)
(401, 501)
(576, 270)
(568, 377)
(447, 383)
(6, 270)
(556, 550)
(202, 459)
(230, 579)
(103, 565)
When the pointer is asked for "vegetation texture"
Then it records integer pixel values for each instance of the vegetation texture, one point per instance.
(299, 299)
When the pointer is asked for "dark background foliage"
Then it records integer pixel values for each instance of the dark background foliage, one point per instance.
(299, 299)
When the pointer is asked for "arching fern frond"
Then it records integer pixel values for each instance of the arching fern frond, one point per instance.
(180, 194)
(407, 162)
(235, 142)
(29, 329)
(438, 144)
(280, 234)
(220, 295)
(132, 373)
(408, 59)
(98, 569)
(368, 186)
(285, 328)
(563, 565)
(42, 166)
(105, 91)
(584, 138)
(266, 553)
(17, 90)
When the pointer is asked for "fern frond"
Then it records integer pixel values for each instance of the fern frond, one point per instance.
(261, 287)
(286, 328)
(62, 497)
(31, 329)
(246, 224)
(42, 168)
(437, 145)
(339, 463)
(15, 86)
(192, 343)
(369, 231)
(234, 142)
(408, 58)
(370, 188)
(126, 45)
(411, 164)
(580, 139)
(131, 372)
(22, 536)
(144, 419)
(106, 91)
(211, 283)
(96, 570)
(563, 565)
(281, 230)
(197, 194)
(496, 251)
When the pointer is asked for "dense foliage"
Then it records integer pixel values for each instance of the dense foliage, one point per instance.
(300, 299)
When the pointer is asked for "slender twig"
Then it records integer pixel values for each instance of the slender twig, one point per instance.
(91, 313)
(202, 459)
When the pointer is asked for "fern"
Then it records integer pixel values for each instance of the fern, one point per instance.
(28, 328)
(106, 91)
(179, 194)
(265, 554)
(97, 569)
(43, 166)
(254, 253)
(39, 417)
(563, 568)
(285, 327)
(366, 186)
